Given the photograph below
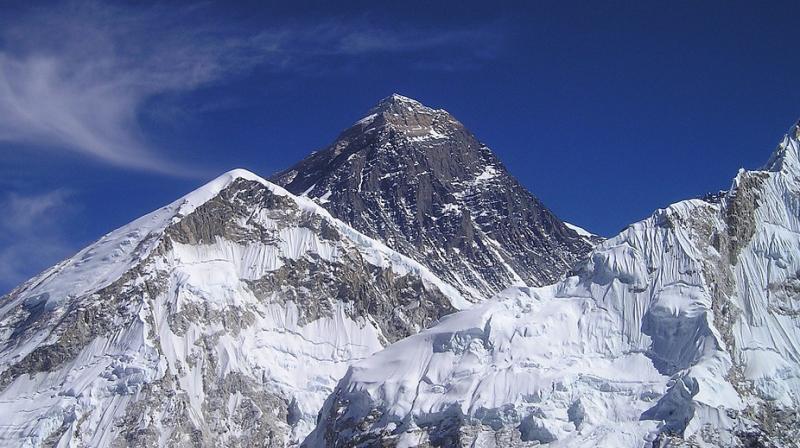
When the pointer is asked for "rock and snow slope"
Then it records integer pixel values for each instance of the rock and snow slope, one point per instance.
(684, 329)
(591, 238)
(222, 319)
(417, 179)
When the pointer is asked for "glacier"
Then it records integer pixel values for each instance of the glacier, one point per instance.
(682, 330)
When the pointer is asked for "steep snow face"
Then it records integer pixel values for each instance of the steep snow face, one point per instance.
(682, 329)
(224, 318)
(417, 179)
(764, 215)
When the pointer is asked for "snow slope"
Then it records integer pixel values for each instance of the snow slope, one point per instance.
(684, 329)
(224, 318)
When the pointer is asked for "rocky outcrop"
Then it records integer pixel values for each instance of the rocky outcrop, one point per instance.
(418, 180)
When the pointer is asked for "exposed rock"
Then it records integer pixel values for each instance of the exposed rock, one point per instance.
(417, 179)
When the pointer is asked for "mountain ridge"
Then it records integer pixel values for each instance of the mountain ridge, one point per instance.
(243, 314)
(682, 330)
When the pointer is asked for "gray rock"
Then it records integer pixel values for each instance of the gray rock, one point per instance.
(417, 179)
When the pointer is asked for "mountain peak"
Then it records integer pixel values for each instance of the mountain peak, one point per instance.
(396, 100)
(240, 172)
(406, 116)
(786, 156)
(396, 107)
(416, 178)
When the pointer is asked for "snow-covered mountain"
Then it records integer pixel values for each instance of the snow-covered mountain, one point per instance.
(417, 179)
(683, 330)
(245, 315)
(222, 319)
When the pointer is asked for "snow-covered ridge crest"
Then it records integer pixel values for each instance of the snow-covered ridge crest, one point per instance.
(120, 250)
(105, 260)
(684, 329)
(191, 323)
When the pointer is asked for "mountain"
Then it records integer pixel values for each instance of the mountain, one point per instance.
(222, 319)
(418, 180)
(683, 330)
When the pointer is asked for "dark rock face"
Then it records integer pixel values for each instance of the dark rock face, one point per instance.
(399, 305)
(415, 178)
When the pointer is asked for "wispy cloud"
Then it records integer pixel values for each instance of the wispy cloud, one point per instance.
(78, 77)
(360, 36)
(32, 237)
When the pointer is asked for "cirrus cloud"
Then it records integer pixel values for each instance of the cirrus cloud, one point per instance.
(78, 76)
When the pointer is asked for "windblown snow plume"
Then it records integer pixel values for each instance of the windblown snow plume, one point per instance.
(683, 330)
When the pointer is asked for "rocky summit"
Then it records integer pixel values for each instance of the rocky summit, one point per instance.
(418, 180)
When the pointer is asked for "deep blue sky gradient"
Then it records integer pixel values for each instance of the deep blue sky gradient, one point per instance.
(604, 111)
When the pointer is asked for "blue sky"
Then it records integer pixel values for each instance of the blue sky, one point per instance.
(606, 111)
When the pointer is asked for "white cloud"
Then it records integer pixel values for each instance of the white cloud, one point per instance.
(77, 76)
